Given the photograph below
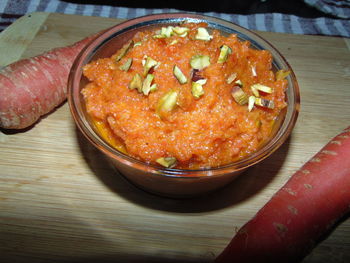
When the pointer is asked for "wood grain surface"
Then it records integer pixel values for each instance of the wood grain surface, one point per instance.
(60, 200)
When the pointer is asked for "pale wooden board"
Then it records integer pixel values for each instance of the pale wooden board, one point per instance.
(61, 201)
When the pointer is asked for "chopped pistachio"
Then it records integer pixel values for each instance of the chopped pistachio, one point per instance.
(179, 75)
(255, 91)
(153, 87)
(224, 52)
(197, 89)
(137, 44)
(264, 103)
(167, 162)
(136, 82)
(126, 66)
(231, 78)
(149, 63)
(181, 31)
(200, 61)
(173, 42)
(122, 52)
(146, 85)
(203, 34)
(282, 74)
(167, 102)
(201, 81)
(251, 102)
(239, 82)
(165, 32)
(260, 87)
(239, 95)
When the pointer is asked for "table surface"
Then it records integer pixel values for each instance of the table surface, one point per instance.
(61, 200)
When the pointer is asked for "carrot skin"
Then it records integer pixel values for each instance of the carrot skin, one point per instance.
(306, 208)
(32, 87)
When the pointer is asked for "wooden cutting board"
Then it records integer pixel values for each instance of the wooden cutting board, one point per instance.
(61, 201)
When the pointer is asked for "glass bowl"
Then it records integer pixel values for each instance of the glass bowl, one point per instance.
(165, 181)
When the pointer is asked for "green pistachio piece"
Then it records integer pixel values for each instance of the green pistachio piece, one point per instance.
(124, 50)
(239, 82)
(264, 103)
(239, 95)
(224, 52)
(137, 44)
(146, 85)
(149, 63)
(231, 78)
(200, 61)
(179, 75)
(167, 102)
(167, 162)
(126, 66)
(197, 90)
(251, 102)
(203, 34)
(262, 88)
(136, 82)
(179, 30)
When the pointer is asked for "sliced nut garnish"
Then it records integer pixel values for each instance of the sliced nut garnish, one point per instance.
(282, 74)
(149, 63)
(147, 83)
(251, 102)
(203, 34)
(264, 103)
(179, 75)
(181, 31)
(136, 82)
(122, 52)
(165, 32)
(239, 95)
(197, 88)
(254, 71)
(166, 103)
(239, 82)
(126, 66)
(167, 162)
(173, 42)
(137, 44)
(231, 78)
(224, 52)
(259, 87)
(200, 61)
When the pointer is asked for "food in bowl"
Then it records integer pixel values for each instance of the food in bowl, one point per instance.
(185, 97)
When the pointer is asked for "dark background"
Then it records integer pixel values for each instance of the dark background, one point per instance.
(296, 7)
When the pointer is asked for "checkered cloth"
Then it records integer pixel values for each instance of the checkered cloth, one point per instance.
(10, 10)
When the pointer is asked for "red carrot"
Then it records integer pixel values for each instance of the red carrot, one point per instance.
(32, 87)
(305, 209)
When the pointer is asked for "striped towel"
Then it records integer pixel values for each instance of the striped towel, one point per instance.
(273, 22)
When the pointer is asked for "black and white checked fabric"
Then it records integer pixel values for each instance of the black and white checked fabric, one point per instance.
(10, 10)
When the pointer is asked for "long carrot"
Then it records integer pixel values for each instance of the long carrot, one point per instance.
(306, 208)
(32, 87)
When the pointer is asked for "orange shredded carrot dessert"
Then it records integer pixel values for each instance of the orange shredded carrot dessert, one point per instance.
(185, 97)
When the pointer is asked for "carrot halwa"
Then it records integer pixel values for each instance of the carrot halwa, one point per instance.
(185, 97)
